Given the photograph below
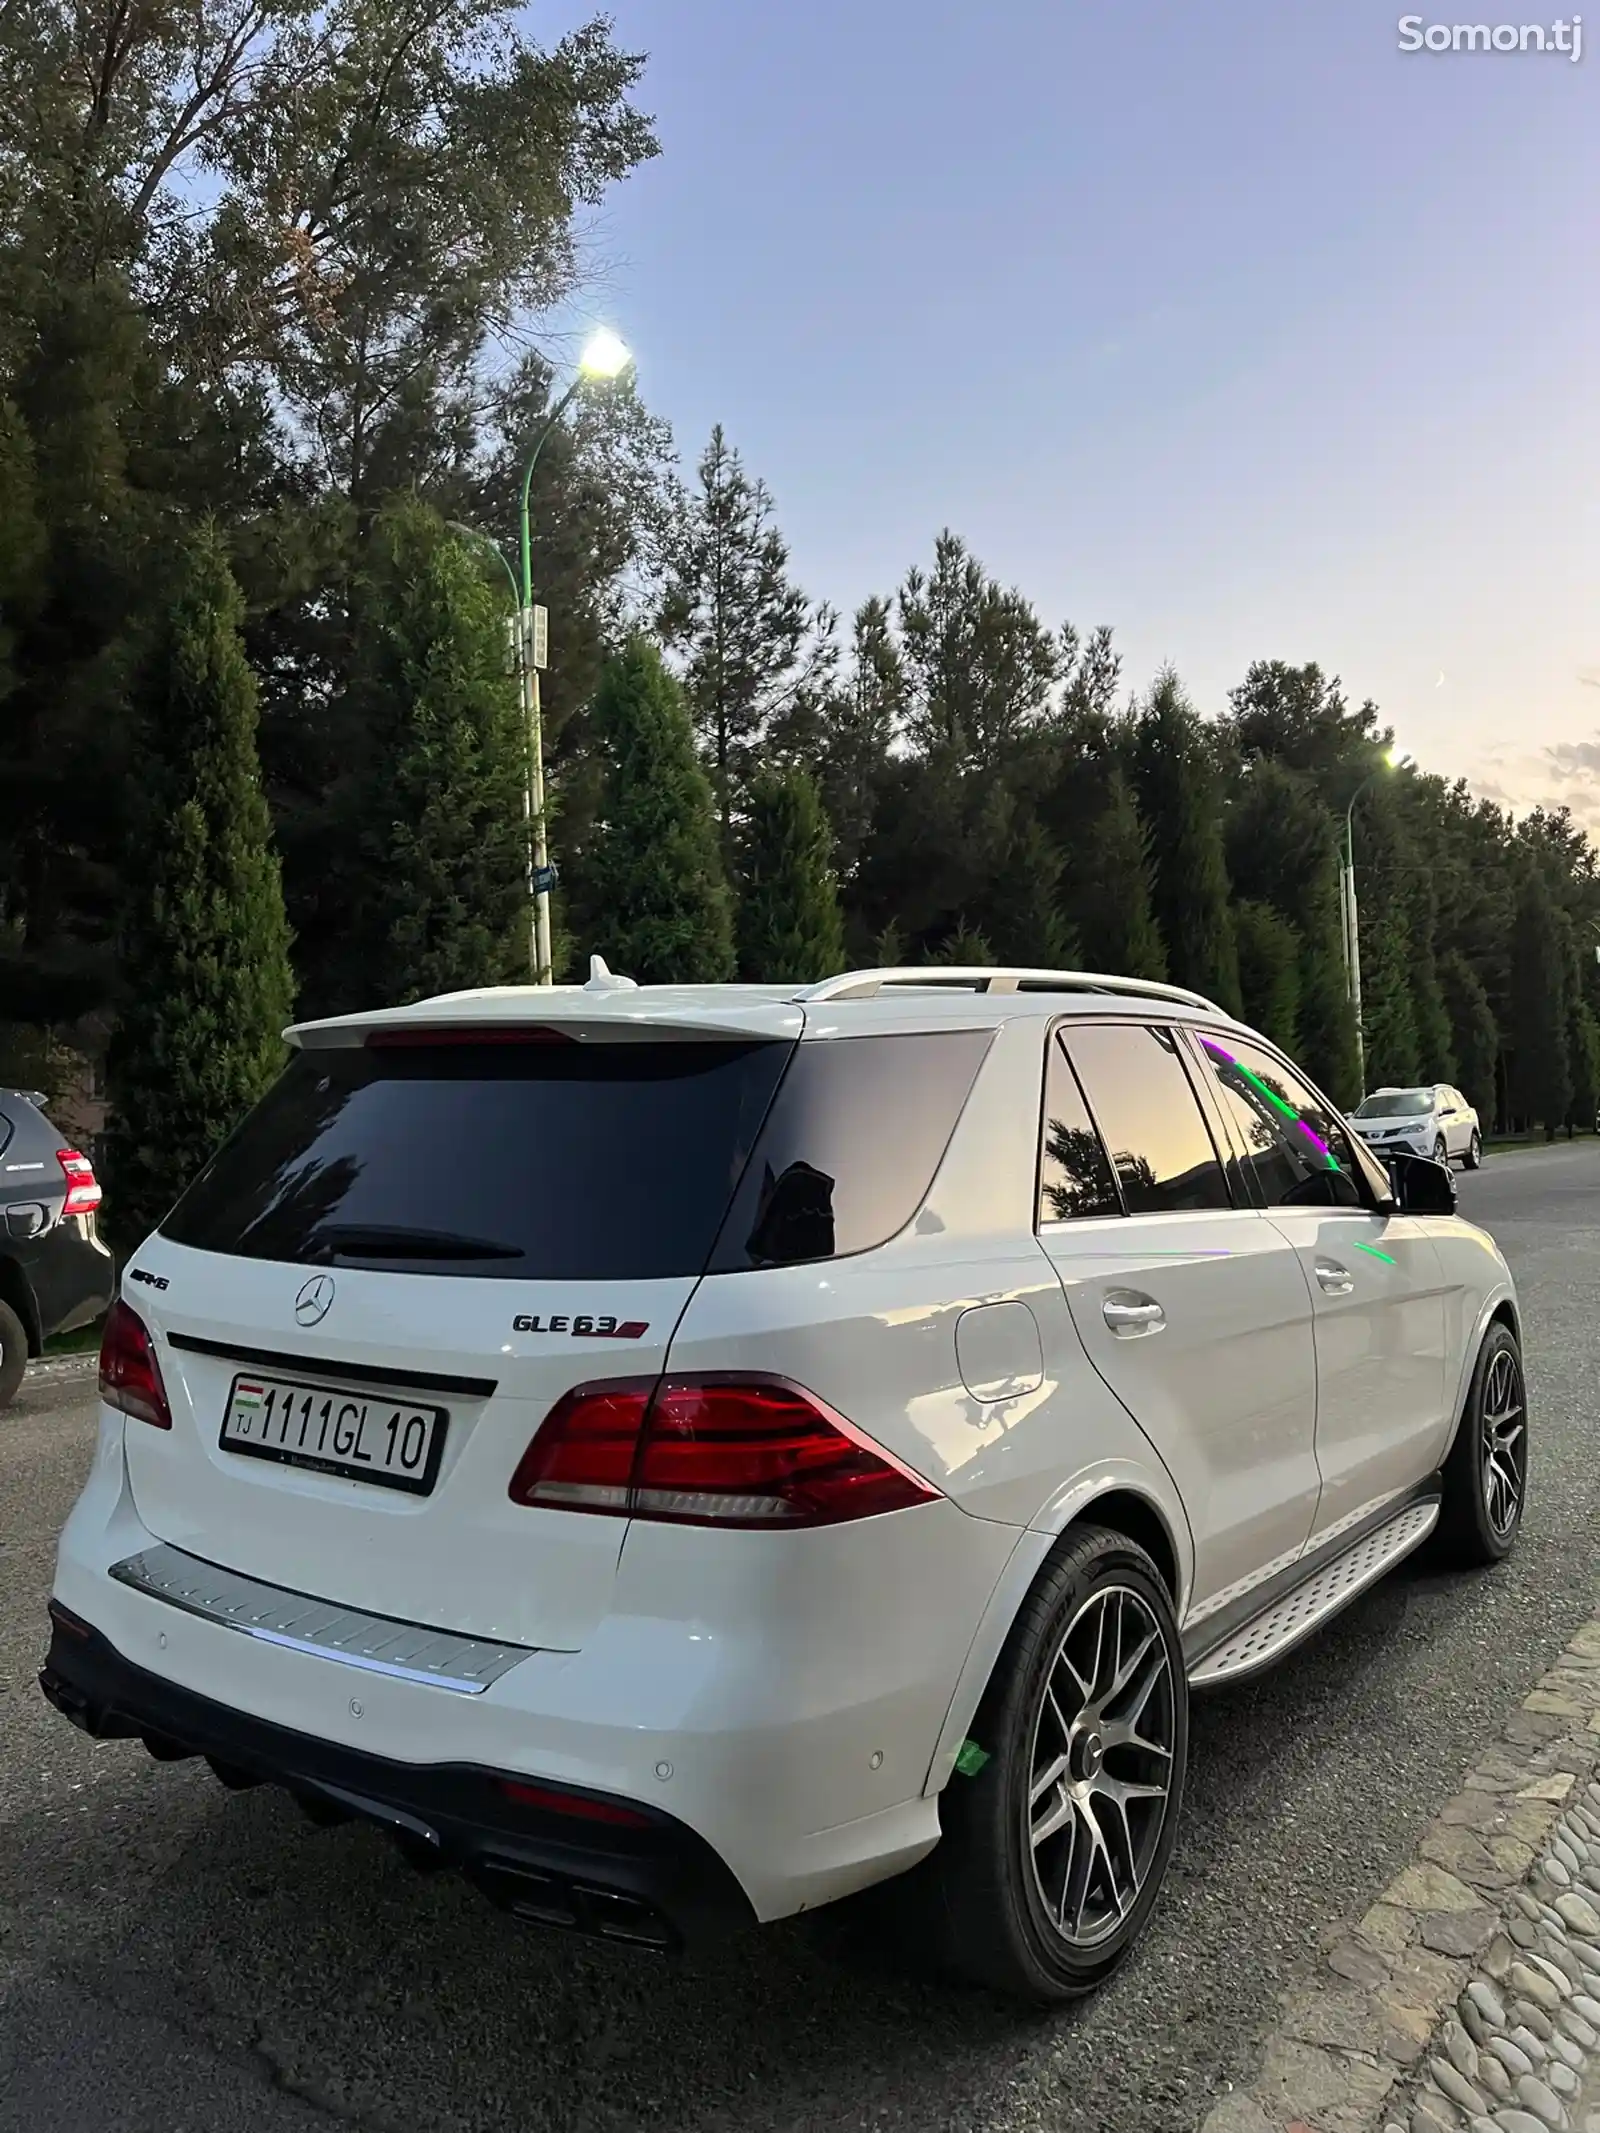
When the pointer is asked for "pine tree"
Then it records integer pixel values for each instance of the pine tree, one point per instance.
(889, 950)
(1394, 1057)
(1176, 781)
(789, 928)
(654, 899)
(965, 948)
(1270, 956)
(980, 666)
(1583, 1041)
(1474, 1034)
(755, 651)
(1540, 1067)
(858, 723)
(1111, 901)
(22, 534)
(1281, 853)
(1021, 906)
(205, 947)
(435, 818)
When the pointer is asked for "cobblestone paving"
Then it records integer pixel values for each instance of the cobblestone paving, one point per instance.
(1468, 1995)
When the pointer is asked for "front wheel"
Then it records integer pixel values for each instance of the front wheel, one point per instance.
(1441, 1152)
(1054, 1853)
(1475, 1152)
(1486, 1474)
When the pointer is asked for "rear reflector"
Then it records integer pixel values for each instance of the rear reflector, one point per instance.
(83, 1189)
(572, 1803)
(130, 1376)
(419, 1039)
(710, 1451)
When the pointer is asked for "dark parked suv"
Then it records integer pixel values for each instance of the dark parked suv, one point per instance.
(55, 1274)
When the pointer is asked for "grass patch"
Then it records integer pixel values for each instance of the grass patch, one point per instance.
(84, 1342)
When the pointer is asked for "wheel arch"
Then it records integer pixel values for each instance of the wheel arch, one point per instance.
(16, 1290)
(1123, 1505)
(1498, 1309)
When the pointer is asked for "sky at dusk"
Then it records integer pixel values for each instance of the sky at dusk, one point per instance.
(1228, 324)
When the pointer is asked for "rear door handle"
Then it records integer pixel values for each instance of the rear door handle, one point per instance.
(1129, 1313)
(1335, 1280)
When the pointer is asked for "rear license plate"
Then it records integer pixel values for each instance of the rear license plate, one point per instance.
(393, 1444)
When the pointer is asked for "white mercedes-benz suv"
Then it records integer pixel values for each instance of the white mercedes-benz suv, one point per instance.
(682, 1455)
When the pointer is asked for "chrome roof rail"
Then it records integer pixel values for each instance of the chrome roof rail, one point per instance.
(976, 977)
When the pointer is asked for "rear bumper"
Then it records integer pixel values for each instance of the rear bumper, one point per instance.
(647, 1880)
(782, 1705)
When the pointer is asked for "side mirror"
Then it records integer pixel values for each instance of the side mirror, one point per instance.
(1421, 1186)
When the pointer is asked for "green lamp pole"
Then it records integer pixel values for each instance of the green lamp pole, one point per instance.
(603, 357)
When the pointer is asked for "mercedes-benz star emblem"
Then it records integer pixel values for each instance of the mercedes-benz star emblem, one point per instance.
(315, 1301)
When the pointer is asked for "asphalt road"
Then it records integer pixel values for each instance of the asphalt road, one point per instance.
(174, 1959)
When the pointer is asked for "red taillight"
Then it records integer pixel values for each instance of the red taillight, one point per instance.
(710, 1451)
(130, 1376)
(584, 1453)
(572, 1803)
(83, 1189)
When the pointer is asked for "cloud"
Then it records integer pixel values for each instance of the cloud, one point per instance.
(1574, 759)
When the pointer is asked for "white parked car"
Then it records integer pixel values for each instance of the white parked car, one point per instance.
(1434, 1120)
(682, 1455)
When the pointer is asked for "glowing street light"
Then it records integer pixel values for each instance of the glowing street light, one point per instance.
(604, 355)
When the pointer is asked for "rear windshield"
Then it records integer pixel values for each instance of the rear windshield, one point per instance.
(1396, 1103)
(510, 1162)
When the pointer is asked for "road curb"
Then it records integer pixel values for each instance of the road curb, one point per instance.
(48, 1368)
(1468, 1995)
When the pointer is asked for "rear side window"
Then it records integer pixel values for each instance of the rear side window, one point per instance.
(1075, 1177)
(1297, 1152)
(509, 1162)
(5, 1133)
(1149, 1117)
(851, 1147)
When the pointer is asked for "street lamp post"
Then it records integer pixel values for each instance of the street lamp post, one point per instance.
(1393, 760)
(603, 357)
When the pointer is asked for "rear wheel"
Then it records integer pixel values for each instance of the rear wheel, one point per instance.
(13, 1353)
(1054, 1853)
(1486, 1474)
(1474, 1150)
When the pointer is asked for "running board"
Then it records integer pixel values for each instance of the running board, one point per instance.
(1266, 1637)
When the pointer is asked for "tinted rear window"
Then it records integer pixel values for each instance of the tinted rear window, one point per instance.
(851, 1148)
(1150, 1117)
(510, 1162)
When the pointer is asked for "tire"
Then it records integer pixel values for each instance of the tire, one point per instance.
(13, 1353)
(1474, 1156)
(1441, 1151)
(1479, 1523)
(994, 1883)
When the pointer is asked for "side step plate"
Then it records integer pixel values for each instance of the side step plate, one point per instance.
(1268, 1635)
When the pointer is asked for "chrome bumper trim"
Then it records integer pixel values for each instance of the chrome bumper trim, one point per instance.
(376, 1644)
